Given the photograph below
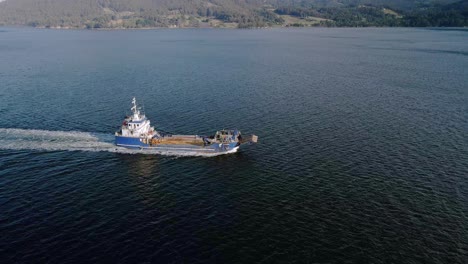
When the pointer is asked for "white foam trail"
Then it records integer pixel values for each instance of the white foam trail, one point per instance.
(46, 140)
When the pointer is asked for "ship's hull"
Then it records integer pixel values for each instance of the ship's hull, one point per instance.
(137, 143)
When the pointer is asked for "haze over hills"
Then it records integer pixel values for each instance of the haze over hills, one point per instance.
(232, 13)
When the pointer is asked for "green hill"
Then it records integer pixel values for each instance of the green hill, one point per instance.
(231, 13)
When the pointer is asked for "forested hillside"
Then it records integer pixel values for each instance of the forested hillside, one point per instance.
(232, 13)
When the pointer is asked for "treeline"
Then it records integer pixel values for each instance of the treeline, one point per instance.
(452, 15)
(133, 13)
(241, 13)
(363, 16)
(359, 17)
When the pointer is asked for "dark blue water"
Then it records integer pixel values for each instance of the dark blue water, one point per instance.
(362, 154)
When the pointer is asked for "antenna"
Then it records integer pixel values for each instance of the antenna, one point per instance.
(134, 107)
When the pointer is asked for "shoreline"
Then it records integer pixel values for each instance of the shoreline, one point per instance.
(228, 28)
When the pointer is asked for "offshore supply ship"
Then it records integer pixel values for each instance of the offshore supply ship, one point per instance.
(137, 132)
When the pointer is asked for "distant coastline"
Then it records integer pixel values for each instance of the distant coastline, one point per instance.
(139, 14)
(464, 28)
(228, 28)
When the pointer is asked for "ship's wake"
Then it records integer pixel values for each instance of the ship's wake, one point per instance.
(46, 140)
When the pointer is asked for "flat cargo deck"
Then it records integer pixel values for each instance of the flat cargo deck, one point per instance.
(178, 140)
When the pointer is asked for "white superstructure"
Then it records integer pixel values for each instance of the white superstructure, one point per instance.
(136, 125)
